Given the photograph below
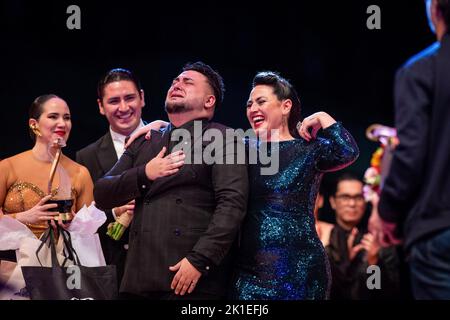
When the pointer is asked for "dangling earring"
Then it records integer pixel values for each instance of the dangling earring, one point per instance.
(35, 130)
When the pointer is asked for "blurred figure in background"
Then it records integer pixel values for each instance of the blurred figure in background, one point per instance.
(352, 249)
(415, 202)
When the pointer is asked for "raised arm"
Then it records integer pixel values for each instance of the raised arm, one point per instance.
(147, 129)
(123, 183)
(338, 149)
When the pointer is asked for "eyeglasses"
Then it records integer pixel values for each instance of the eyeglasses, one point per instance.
(358, 198)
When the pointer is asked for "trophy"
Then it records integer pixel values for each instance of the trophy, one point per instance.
(63, 198)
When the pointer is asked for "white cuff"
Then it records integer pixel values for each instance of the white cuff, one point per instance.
(114, 214)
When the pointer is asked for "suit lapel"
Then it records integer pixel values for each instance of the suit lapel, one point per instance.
(106, 154)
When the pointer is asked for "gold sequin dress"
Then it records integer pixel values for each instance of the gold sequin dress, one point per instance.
(23, 179)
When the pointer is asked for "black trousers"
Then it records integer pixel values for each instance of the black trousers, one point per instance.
(429, 261)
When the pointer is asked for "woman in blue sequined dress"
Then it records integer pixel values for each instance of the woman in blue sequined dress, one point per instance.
(280, 255)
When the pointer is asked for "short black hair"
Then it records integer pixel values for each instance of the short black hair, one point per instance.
(118, 74)
(283, 89)
(347, 176)
(214, 78)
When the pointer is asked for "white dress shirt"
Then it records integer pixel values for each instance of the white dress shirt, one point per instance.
(119, 139)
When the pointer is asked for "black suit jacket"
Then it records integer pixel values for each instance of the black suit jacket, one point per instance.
(99, 157)
(416, 191)
(193, 213)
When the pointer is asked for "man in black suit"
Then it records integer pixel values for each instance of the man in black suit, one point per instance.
(416, 192)
(187, 215)
(120, 100)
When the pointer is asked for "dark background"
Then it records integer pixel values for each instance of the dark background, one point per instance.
(323, 47)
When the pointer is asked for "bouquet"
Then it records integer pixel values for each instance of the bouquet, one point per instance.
(117, 228)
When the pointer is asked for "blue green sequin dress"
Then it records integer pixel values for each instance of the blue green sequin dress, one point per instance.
(280, 255)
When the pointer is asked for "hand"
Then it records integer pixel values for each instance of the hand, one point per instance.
(128, 209)
(353, 250)
(372, 247)
(61, 224)
(382, 230)
(186, 277)
(375, 224)
(374, 200)
(315, 122)
(38, 213)
(147, 130)
(161, 166)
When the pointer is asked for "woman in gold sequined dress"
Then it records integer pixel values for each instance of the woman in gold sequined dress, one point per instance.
(24, 177)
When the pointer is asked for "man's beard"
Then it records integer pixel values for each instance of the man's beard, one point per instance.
(172, 108)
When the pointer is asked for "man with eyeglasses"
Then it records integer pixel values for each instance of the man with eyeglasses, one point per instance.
(352, 249)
